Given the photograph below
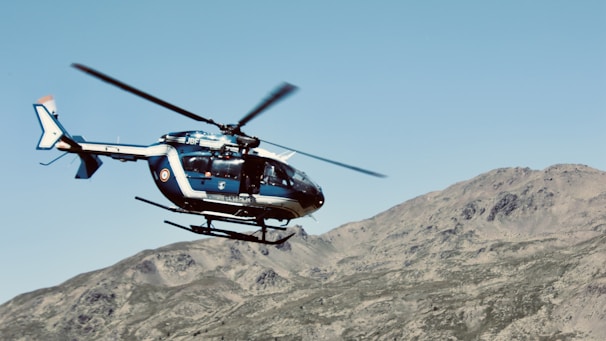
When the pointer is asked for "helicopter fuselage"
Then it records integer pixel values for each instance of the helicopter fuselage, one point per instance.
(199, 171)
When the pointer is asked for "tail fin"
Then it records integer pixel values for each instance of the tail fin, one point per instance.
(52, 130)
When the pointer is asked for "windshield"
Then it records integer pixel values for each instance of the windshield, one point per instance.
(279, 174)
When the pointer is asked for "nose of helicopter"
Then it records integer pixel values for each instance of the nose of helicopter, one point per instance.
(312, 200)
(319, 199)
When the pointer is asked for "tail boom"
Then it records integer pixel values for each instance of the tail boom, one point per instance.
(54, 135)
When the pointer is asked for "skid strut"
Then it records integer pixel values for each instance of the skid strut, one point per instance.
(208, 230)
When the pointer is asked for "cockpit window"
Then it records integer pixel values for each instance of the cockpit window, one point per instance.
(299, 180)
(294, 174)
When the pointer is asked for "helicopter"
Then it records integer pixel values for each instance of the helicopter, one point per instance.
(220, 176)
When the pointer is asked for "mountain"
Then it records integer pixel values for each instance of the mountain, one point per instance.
(512, 254)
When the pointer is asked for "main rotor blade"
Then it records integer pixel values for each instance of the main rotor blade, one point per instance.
(282, 91)
(142, 94)
(340, 164)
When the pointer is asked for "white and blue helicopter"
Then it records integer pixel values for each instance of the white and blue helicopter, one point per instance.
(222, 177)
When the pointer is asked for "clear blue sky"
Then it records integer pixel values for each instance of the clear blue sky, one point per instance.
(428, 92)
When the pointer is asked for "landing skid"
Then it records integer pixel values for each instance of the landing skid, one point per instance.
(215, 232)
(208, 230)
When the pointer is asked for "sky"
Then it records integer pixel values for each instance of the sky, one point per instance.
(428, 92)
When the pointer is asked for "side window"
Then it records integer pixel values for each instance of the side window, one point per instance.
(274, 175)
(197, 164)
(226, 168)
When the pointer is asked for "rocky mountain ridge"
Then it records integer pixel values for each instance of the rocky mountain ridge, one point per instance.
(511, 254)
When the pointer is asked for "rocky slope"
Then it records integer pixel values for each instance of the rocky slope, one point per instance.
(512, 254)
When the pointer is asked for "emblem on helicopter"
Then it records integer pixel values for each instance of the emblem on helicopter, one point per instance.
(164, 175)
(256, 185)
